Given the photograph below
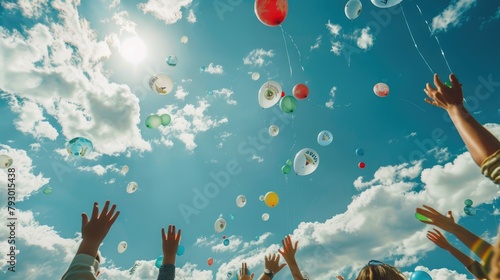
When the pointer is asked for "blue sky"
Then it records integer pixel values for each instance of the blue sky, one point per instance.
(62, 76)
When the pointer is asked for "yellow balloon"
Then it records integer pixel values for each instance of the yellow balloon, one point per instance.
(271, 199)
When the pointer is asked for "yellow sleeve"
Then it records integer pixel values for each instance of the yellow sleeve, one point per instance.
(491, 167)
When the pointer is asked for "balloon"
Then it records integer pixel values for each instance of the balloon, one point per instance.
(180, 250)
(241, 200)
(124, 169)
(220, 225)
(381, 90)
(288, 104)
(161, 84)
(210, 92)
(274, 130)
(47, 190)
(385, 3)
(271, 12)
(470, 211)
(300, 91)
(257, 238)
(468, 202)
(132, 187)
(210, 261)
(325, 138)
(122, 246)
(286, 169)
(203, 68)
(159, 261)
(265, 217)
(171, 60)
(419, 274)
(153, 121)
(361, 165)
(261, 198)
(271, 199)
(223, 237)
(255, 76)
(6, 161)
(289, 162)
(360, 152)
(226, 242)
(353, 9)
(282, 94)
(184, 39)
(165, 119)
(231, 216)
(79, 147)
(305, 162)
(269, 94)
(422, 218)
(448, 84)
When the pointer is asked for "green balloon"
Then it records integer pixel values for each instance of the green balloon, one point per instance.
(165, 119)
(422, 218)
(286, 169)
(289, 162)
(468, 202)
(153, 121)
(448, 84)
(288, 104)
(47, 190)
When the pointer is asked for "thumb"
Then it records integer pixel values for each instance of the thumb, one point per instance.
(450, 215)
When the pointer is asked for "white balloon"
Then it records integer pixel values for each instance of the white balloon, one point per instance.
(122, 246)
(305, 162)
(385, 3)
(132, 187)
(5, 161)
(265, 217)
(241, 200)
(325, 138)
(274, 130)
(124, 169)
(381, 90)
(161, 84)
(261, 198)
(353, 9)
(184, 39)
(255, 76)
(220, 225)
(269, 94)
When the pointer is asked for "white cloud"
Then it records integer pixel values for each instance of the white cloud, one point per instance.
(99, 169)
(258, 57)
(114, 3)
(191, 16)
(214, 69)
(31, 119)
(336, 47)
(32, 8)
(317, 43)
(331, 101)
(333, 28)
(365, 39)
(452, 15)
(412, 134)
(234, 243)
(226, 94)
(120, 19)
(492, 18)
(181, 93)
(64, 61)
(35, 147)
(167, 11)
(257, 158)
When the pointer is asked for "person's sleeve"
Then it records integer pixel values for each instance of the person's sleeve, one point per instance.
(478, 270)
(83, 267)
(491, 167)
(167, 272)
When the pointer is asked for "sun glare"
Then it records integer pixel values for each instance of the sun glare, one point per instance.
(134, 50)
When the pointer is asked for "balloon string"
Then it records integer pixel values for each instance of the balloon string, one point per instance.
(413, 39)
(411, 103)
(296, 48)
(287, 54)
(294, 133)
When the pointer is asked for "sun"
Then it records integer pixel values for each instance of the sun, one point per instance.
(134, 50)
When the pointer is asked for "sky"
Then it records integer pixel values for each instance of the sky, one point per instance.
(65, 72)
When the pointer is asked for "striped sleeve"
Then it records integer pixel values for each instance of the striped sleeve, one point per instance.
(491, 167)
(167, 272)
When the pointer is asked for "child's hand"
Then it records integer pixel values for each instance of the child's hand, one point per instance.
(444, 96)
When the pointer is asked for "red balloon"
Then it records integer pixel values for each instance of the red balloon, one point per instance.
(282, 94)
(223, 237)
(271, 12)
(361, 165)
(300, 91)
(210, 261)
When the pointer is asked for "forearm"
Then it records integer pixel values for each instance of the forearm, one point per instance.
(479, 141)
(479, 246)
(88, 247)
(295, 270)
(264, 277)
(463, 258)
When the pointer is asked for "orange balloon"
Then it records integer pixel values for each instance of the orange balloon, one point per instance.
(300, 91)
(210, 261)
(271, 12)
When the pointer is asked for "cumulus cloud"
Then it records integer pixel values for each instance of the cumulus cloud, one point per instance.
(168, 11)
(330, 102)
(180, 93)
(29, 8)
(214, 69)
(226, 95)
(31, 119)
(258, 57)
(99, 169)
(191, 16)
(333, 28)
(365, 39)
(452, 16)
(120, 19)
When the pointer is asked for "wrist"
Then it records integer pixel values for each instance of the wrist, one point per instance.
(168, 260)
(269, 273)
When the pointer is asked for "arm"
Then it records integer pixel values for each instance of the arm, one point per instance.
(170, 243)
(84, 264)
(495, 261)
(288, 253)
(479, 141)
(272, 263)
(479, 246)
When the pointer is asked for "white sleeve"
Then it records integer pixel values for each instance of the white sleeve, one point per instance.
(83, 267)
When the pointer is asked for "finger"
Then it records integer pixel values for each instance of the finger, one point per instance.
(179, 235)
(281, 267)
(111, 211)
(113, 219)
(428, 93)
(437, 81)
(162, 233)
(281, 252)
(85, 219)
(95, 211)
(105, 209)
(454, 81)
(430, 101)
(430, 88)
(251, 276)
(296, 244)
(450, 215)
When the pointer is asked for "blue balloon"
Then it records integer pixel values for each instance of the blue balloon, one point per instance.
(360, 152)
(420, 275)
(231, 216)
(257, 238)
(226, 242)
(180, 250)
(469, 210)
(159, 261)
(79, 147)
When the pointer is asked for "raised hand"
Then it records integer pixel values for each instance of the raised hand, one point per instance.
(272, 262)
(243, 273)
(288, 251)
(170, 243)
(438, 238)
(444, 222)
(340, 277)
(443, 96)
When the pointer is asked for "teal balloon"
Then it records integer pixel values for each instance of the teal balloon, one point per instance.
(448, 84)
(360, 152)
(420, 275)
(153, 121)
(159, 261)
(226, 242)
(288, 104)
(47, 190)
(231, 216)
(286, 169)
(171, 60)
(165, 119)
(203, 68)
(470, 211)
(289, 162)
(180, 250)
(257, 238)
(210, 92)
(79, 147)
(468, 202)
